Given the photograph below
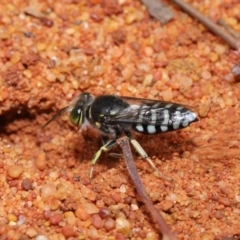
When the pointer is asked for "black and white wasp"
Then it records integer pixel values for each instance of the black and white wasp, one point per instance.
(113, 115)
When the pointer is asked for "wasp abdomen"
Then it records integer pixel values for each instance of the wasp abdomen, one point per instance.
(171, 117)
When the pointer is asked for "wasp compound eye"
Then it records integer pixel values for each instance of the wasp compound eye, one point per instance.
(76, 116)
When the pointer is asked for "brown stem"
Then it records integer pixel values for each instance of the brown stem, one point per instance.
(208, 23)
(132, 170)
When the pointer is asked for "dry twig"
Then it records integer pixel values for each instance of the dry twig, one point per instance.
(208, 23)
(127, 155)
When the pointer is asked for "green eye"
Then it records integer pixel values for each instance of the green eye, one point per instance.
(76, 116)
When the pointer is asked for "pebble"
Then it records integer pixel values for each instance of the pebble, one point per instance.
(204, 109)
(3, 229)
(31, 232)
(61, 193)
(219, 214)
(41, 237)
(104, 213)
(68, 231)
(120, 236)
(27, 73)
(148, 80)
(21, 220)
(53, 175)
(148, 51)
(206, 59)
(167, 95)
(167, 205)
(225, 201)
(82, 214)
(96, 221)
(93, 234)
(41, 162)
(109, 224)
(70, 218)
(88, 194)
(26, 184)
(15, 171)
(56, 218)
(220, 49)
(206, 75)
(90, 208)
(16, 57)
(11, 218)
(213, 57)
(41, 46)
(48, 190)
(47, 214)
(123, 226)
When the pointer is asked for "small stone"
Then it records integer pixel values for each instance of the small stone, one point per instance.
(123, 226)
(27, 73)
(41, 162)
(167, 205)
(109, 224)
(87, 193)
(148, 51)
(225, 201)
(16, 57)
(167, 95)
(93, 233)
(104, 213)
(148, 80)
(41, 237)
(213, 57)
(56, 218)
(15, 171)
(41, 46)
(70, 31)
(220, 49)
(82, 214)
(11, 218)
(90, 208)
(3, 229)
(96, 221)
(26, 184)
(68, 231)
(206, 75)
(31, 232)
(219, 214)
(204, 109)
(47, 214)
(70, 218)
(48, 190)
(23, 237)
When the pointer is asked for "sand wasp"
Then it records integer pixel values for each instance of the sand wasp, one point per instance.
(113, 116)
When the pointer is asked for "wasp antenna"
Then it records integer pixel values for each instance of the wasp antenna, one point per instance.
(59, 113)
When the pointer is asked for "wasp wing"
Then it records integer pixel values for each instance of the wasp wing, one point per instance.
(152, 112)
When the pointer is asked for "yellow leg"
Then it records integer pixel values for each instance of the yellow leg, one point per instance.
(144, 155)
(104, 148)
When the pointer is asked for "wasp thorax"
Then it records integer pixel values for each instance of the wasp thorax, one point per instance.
(76, 116)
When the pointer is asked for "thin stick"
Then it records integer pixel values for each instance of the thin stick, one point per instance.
(208, 23)
(132, 170)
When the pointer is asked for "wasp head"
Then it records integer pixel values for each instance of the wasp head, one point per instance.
(77, 109)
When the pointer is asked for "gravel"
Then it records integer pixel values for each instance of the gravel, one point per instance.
(52, 52)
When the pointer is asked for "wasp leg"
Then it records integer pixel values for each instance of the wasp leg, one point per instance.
(104, 148)
(144, 155)
(105, 139)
